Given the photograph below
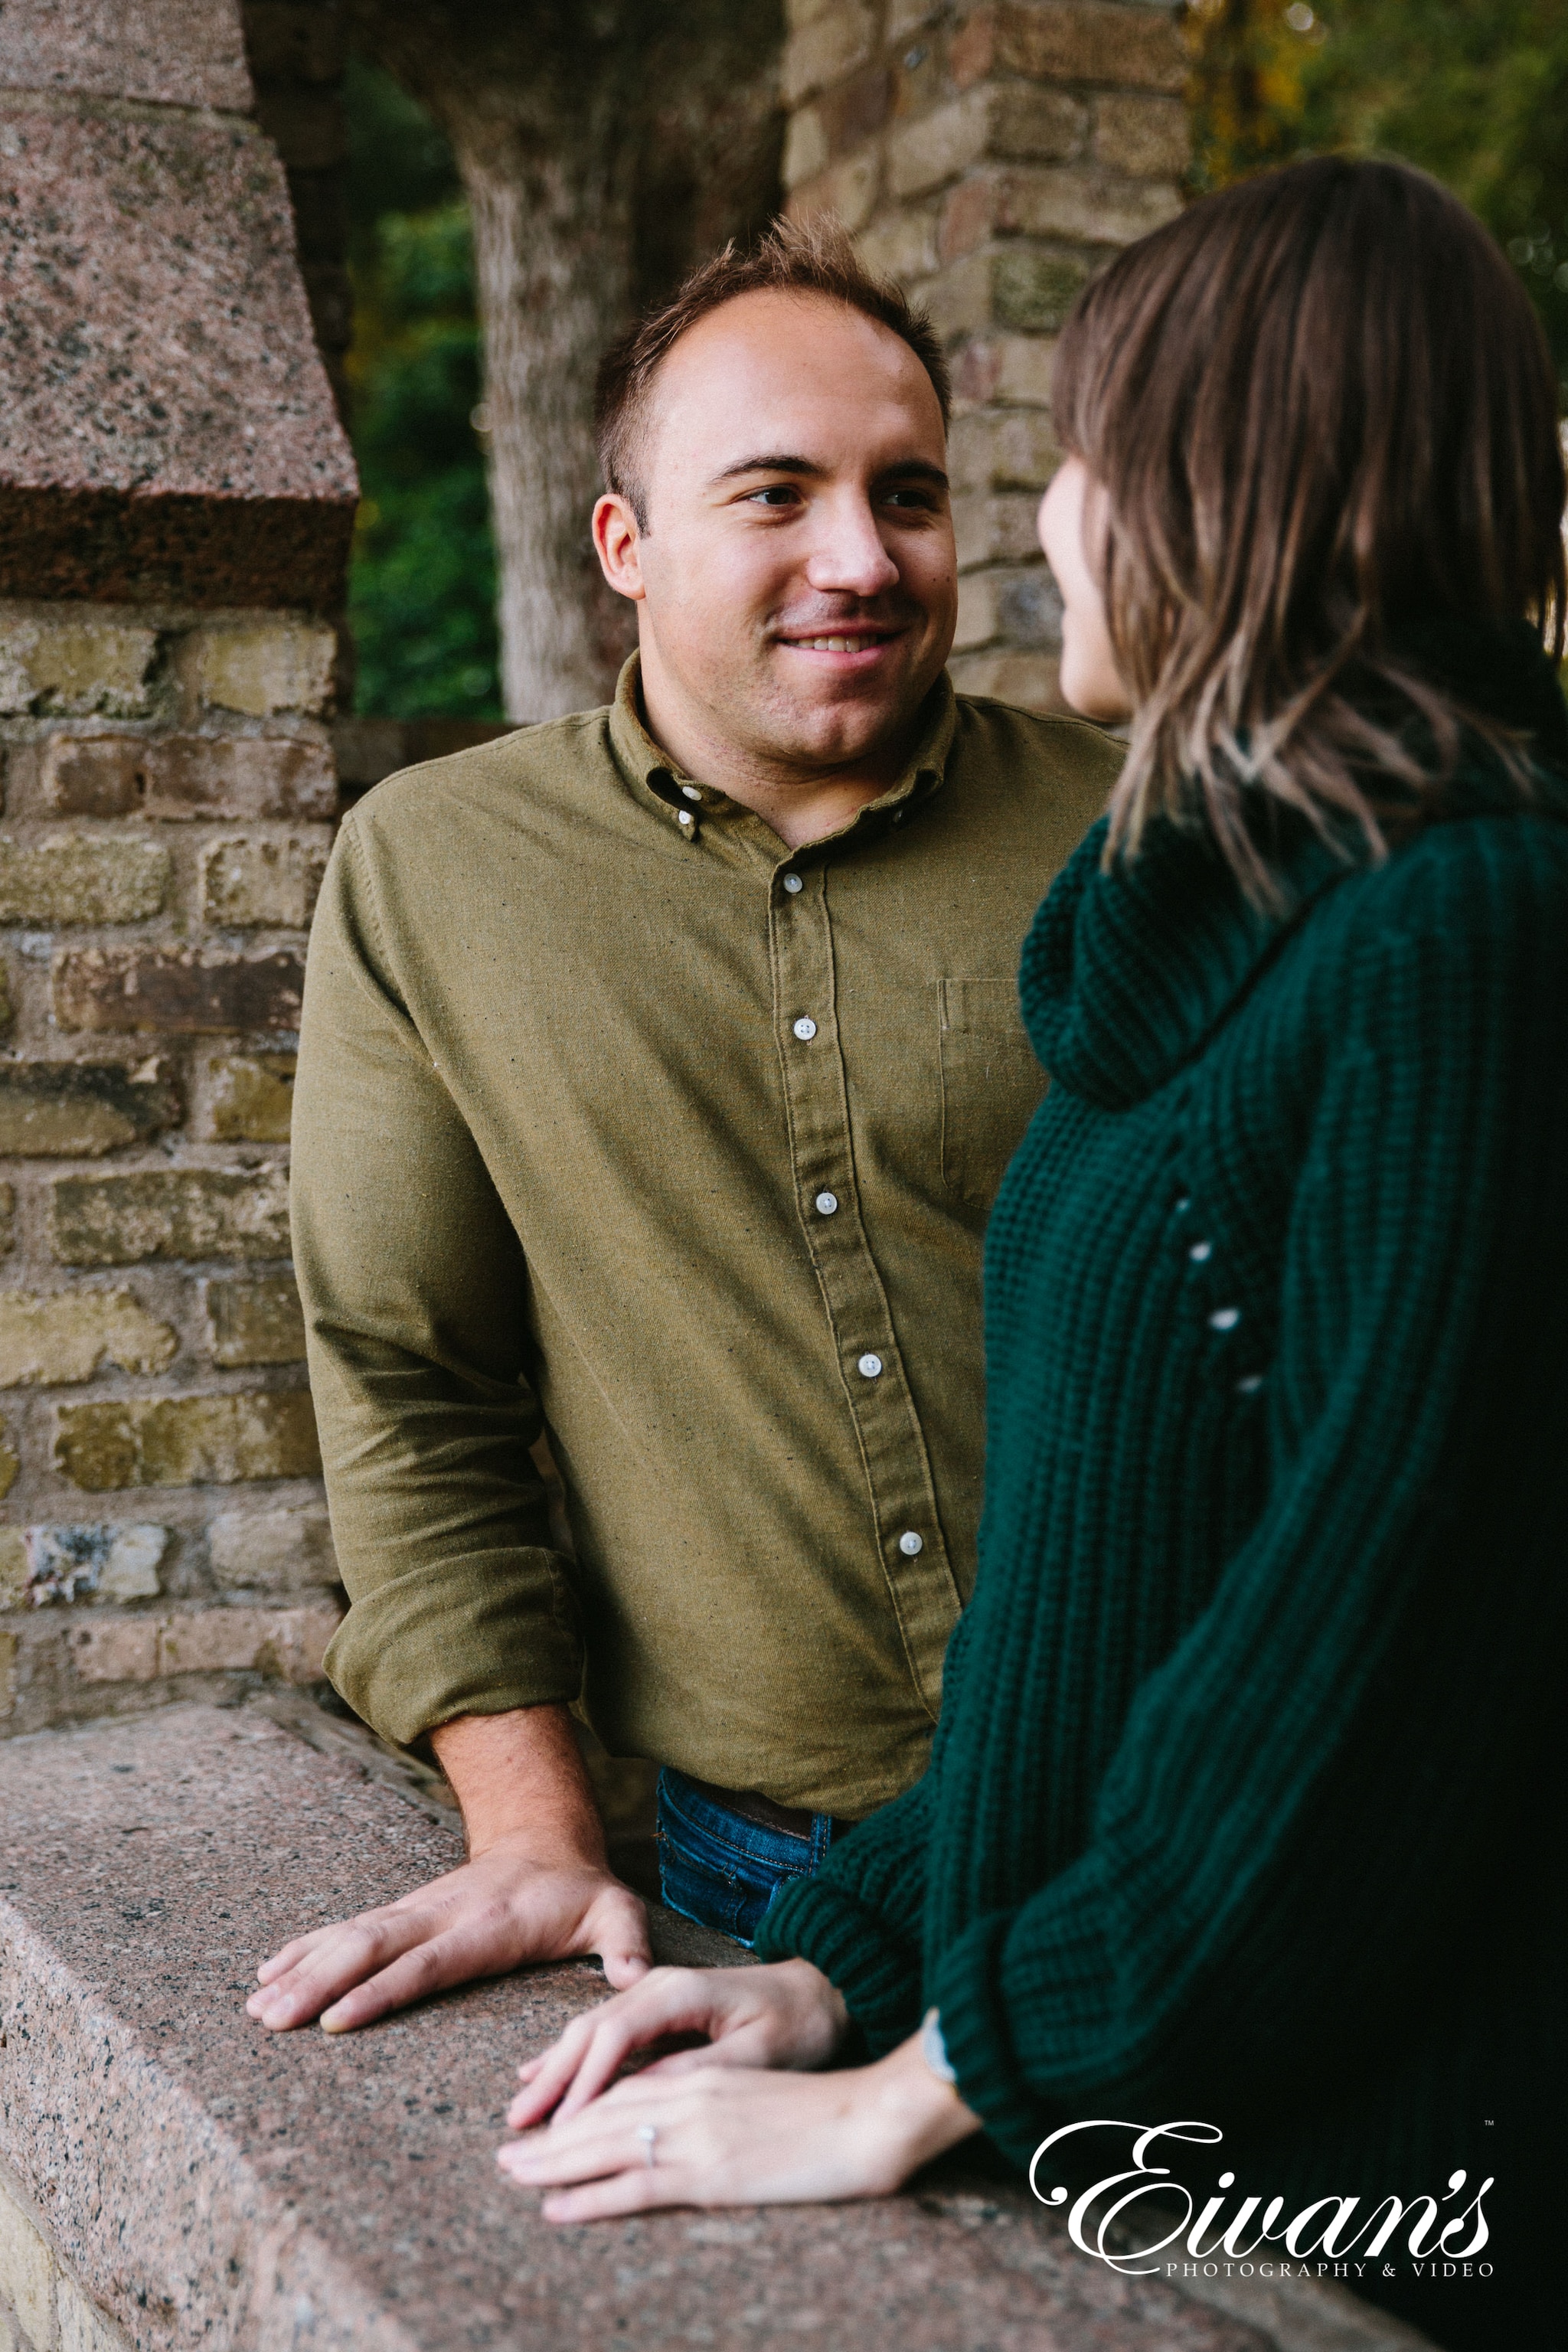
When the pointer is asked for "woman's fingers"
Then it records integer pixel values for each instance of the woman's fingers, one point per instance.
(595, 2047)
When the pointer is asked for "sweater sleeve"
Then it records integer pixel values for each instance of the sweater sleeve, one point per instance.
(414, 1287)
(860, 1918)
(1353, 1730)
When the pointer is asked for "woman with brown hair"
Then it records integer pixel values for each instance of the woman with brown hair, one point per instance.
(1238, 1813)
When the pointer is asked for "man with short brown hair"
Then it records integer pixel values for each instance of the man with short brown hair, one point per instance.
(659, 1065)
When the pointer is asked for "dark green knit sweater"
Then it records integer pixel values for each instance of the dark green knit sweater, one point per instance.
(1238, 1806)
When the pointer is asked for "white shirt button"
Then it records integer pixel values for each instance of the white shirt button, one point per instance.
(805, 1028)
(793, 882)
(683, 816)
(870, 1365)
(910, 1544)
(692, 792)
(826, 1203)
(1250, 1385)
(1225, 1319)
(1200, 1253)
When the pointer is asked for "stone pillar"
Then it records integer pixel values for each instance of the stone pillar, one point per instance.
(175, 501)
(990, 159)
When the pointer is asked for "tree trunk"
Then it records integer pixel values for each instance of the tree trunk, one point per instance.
(603, 149)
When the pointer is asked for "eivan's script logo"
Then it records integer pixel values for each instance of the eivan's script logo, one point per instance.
(1335, 2229)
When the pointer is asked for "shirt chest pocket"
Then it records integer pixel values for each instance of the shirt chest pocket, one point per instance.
(991, 1084)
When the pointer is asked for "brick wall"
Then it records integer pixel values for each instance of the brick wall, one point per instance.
(168, 797)
(991, 158)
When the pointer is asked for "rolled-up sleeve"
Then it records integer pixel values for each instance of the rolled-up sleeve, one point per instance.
(415, 1290)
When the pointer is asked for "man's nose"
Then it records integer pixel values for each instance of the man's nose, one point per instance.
(847, 555)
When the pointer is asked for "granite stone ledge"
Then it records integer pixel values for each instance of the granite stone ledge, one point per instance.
(172, 52)
(209, 2185)
(169, 430)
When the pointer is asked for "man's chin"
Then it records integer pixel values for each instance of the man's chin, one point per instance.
(843, 723)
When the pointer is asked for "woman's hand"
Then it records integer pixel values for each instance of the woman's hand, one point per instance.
(734, 2136)
(784, 2015)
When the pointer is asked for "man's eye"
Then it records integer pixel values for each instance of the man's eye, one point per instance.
(918, 499)
(777, 494)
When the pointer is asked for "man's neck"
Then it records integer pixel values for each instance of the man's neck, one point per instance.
(797, 804)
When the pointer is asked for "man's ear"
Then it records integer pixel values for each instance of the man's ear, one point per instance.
(617, 542)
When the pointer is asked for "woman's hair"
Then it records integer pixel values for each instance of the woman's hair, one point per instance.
(1318, 406)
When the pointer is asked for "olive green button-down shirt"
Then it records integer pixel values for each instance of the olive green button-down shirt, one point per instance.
(617, 1117)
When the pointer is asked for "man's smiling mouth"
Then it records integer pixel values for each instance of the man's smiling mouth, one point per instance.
(863, 641)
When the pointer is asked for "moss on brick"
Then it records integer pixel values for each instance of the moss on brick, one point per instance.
(190, 1440)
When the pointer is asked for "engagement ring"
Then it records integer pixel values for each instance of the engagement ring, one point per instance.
(647, 2134)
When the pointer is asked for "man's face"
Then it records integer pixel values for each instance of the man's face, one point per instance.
(797, 578)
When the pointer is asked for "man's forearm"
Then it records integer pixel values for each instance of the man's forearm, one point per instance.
(520, 1776)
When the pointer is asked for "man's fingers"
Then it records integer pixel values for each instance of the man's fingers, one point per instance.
(616, 1926)
(290, 1955)
(342, 1958)
(428, 1968)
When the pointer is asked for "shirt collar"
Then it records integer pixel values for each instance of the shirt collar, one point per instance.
(657, 778)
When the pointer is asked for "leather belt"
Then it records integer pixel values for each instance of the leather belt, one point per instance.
(793, 1820)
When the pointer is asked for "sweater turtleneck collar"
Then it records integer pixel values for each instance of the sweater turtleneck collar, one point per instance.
(1130, 968)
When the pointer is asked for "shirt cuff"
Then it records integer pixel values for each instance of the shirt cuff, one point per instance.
(477, 1635)
(878, 1974)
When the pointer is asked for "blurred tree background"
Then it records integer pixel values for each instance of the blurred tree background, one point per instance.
(422, 589)
(1475, 92)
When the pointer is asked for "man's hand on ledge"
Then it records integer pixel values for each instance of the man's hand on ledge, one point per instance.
(536, 1886)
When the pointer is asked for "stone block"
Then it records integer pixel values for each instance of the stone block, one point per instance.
(176, 991)
(116, 1562)
(1073, 41)
(49, 1339)
(261, 668)
(1034, 288)
(78, 1110)
(7, 1003)
(805, 150)
(289, 1643)
(114, 1650)
(258, 1322)
(16, 1567)
(1004, 450)
(176, 1212)
(958, 300)
(1086, 206)
(186, 1440)
(1030, 680)
(901, 243)
(1027, 121)
(82, 2326)
(74, 664)
(190, 776)
(10, 1467)
(7, 1219)
(279, 1552)
(1148, 137)
(847, 190)
(190, 453)
(252, 1097)
(251, 882)
(830, 47)
(72, 877)
(977, 616)
(993, 530)
(7, 1691)
(923, 155)
(168, 51)
(27, 2271)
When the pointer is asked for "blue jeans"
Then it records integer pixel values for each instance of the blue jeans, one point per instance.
(721, 1869)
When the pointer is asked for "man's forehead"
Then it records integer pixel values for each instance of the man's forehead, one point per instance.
(769, 359)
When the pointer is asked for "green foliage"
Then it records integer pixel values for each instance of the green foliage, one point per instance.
(422, 585)
(1475, 92)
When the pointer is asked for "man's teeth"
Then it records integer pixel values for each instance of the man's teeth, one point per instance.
(836, 645)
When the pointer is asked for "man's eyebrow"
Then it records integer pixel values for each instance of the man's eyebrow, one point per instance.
(918, 469)
(784, 464)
